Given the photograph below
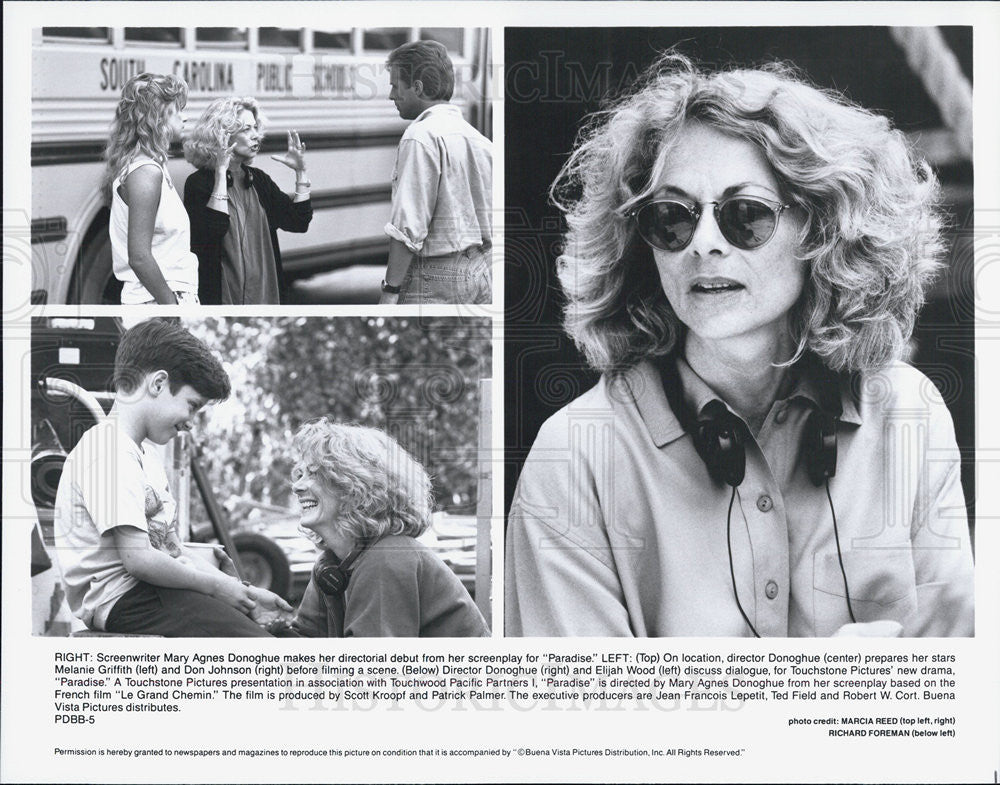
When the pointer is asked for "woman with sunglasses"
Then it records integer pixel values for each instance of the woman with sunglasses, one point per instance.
(744, 262)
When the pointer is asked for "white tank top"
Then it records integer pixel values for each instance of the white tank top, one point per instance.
(171, 244)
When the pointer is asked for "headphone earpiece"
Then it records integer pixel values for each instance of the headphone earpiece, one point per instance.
(247, 177)
(819, 437)
(720, 442)
(329, 576)
(720, 436)
(819, 446)
(332, 575)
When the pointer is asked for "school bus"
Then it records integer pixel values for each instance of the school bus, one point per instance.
(330, 85)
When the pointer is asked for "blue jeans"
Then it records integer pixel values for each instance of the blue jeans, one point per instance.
(459, 278)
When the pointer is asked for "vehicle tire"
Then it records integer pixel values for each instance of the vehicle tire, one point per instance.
(93, 279)
(264, 563)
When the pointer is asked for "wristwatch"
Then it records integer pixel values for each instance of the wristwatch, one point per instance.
(389, 288)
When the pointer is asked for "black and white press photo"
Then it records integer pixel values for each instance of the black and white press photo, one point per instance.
(261, 165)
(739, 332)
(503, 390)
(261, 477)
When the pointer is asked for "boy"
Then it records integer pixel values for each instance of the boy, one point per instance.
(440, 228)
(124, 567)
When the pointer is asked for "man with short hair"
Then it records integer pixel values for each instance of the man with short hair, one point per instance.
(440, 228)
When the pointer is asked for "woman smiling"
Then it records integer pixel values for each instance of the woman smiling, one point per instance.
(365, 500)
(744, 262)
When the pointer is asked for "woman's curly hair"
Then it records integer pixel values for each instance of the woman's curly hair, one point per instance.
(871, 239)
(140, 125)
(217, 123)
(381, 488)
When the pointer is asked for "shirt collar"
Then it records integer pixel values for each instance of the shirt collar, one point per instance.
(646, 389)
(808, 386)
(437, 109)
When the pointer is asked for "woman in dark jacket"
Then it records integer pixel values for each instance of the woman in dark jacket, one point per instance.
(236, 209)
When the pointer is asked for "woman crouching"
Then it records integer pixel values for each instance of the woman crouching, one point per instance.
(364, 499)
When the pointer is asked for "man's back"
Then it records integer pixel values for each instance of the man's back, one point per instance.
(442, 184)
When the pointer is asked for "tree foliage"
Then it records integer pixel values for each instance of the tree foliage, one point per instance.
(416, 378)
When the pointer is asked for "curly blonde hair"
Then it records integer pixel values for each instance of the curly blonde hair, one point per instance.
(381, 488)
(140, 126)
(871, 240)
(211, 133)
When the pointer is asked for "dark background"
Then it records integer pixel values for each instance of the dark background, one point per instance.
(556, 76)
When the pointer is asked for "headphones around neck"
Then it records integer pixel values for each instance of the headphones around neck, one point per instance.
(247, 177)
(719, 436)
(332, 574)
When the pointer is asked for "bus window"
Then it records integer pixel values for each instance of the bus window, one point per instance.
(385, 39)
(284, 38)
(222, 37)
(153, 35)
(332, 40)
(95, 35)
(451, 37)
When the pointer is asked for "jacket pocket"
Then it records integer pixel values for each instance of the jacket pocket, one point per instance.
(882, 585)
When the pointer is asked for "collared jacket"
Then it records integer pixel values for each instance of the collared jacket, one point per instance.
(209, 226)
(617, 529)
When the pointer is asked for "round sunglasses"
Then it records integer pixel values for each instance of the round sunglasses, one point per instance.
(747, 222)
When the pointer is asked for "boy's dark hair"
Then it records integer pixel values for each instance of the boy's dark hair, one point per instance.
(428, 62)
(162, 344)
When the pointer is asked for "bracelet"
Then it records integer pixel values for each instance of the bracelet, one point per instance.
(304, 183)
(389, 288)
(219, 198)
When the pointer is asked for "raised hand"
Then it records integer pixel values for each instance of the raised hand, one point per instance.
(294, 157)
(225, 154)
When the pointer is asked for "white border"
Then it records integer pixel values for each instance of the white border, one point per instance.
(773, 752)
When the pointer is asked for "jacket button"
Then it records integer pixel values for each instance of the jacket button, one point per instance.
(781, 415)
(764, 503)
(771, 590)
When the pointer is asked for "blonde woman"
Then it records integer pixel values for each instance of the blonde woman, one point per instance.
(236, 209)
(150, 230)
(365, 500)
(745, 259)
